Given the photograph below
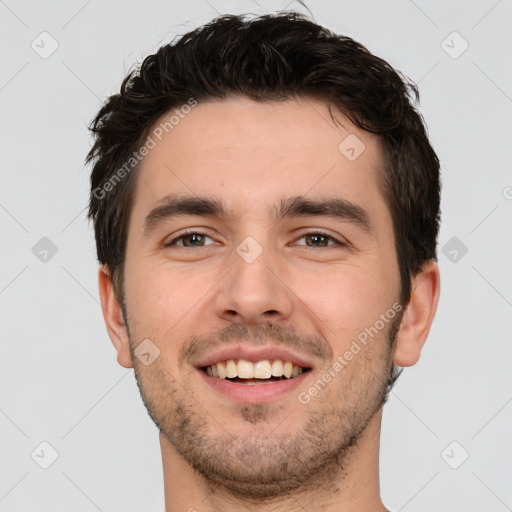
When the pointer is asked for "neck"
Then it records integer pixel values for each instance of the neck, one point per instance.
(353, 487)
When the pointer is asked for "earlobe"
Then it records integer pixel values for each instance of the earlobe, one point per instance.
(113, 317)
(418, 315)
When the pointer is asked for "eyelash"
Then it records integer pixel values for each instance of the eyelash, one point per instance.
(202, 233)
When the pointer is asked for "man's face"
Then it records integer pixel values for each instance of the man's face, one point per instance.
(263, 281)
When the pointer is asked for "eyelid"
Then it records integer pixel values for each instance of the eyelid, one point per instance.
(185, 232)
(318, 231)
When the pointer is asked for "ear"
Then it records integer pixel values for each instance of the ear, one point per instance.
(113, 317)
(418, 315)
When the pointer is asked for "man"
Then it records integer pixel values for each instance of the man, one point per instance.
(266, 207)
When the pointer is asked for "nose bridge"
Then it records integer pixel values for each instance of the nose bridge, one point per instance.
(252, 292)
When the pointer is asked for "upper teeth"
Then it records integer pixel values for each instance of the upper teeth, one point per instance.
(249, 370)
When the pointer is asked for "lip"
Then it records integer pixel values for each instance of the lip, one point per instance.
(254, 355)
(255, 393)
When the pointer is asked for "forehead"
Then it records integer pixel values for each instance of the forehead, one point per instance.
(252, 154)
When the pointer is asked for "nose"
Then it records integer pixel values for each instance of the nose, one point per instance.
(254, 292)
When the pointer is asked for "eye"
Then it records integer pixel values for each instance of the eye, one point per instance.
(190, 239)
(319, 239)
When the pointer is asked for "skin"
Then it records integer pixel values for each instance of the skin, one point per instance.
(285, 455)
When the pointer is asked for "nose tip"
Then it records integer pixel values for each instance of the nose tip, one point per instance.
(251, 293)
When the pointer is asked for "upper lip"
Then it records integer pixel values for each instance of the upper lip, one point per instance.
(253, 354)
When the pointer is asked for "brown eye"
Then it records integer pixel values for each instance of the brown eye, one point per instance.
(193, 239)
(319, 240)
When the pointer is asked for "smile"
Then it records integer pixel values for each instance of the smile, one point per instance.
(247, 372)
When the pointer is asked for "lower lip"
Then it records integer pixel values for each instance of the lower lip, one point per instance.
(254, 393)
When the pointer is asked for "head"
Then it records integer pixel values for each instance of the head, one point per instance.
(258, 135)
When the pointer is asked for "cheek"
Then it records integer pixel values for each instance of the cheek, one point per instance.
(163, 298)
(345, 300)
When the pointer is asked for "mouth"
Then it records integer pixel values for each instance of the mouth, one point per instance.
(251, 375)
(267, 371)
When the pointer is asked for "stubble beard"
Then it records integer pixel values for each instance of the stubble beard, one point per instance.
(307, 450)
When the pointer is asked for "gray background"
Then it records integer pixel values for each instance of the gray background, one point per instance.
(59, 379)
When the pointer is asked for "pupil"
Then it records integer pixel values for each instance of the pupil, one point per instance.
(318, 239)
(193, 238)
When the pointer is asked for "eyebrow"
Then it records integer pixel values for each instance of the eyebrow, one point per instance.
(172, 206)
(335, 208)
